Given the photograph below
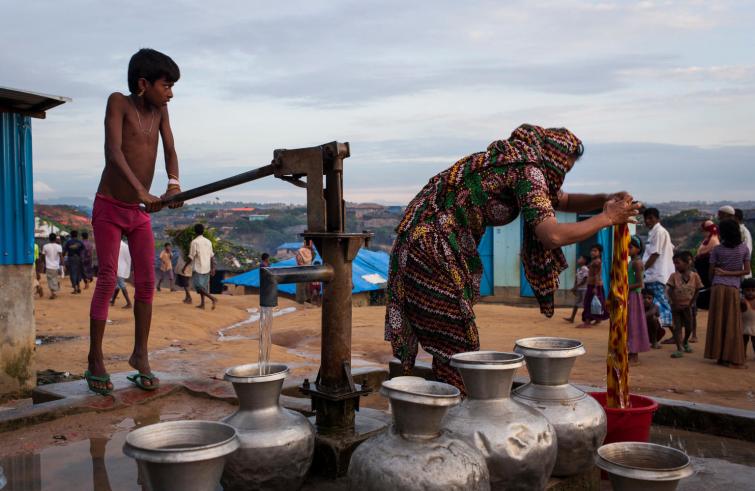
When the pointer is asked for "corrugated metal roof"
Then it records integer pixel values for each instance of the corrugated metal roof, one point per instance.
(28, 102)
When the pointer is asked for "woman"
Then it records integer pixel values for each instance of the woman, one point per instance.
(729, 262)
(435, 269)
(702, 265)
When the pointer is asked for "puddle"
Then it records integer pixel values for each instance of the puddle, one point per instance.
(254, 317)
(71, 457)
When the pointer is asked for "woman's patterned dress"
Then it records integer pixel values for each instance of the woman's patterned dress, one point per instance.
(435, 269)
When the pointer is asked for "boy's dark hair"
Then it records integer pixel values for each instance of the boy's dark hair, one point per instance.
(646, 291)
(739, 214)
(85, 235)
(151, 65)
(651, 212)
(730, 234)
(264, 256)
(166, 244)
(685, 256)
(586, 258)
(74, 234)
(748, 283)
(199, 229)
(598, 247)
(52, 237)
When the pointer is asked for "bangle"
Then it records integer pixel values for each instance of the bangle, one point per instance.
(174, 186)
(173, 181)
(172, 176)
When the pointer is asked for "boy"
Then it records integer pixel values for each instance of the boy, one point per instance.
(682, 288)
(265, 260)
(183, 276)
(166, 267)
(73, 250)
(53, 253)
(748, 313)
(594, 290)
(653, 319)
(134, 124)
(201, 258)
(580, 285)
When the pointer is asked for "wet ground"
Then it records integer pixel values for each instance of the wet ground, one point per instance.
(83, 452)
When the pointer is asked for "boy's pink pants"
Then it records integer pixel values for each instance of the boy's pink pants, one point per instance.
(112, 219)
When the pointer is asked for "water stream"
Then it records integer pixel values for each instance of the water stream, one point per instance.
(265, 339)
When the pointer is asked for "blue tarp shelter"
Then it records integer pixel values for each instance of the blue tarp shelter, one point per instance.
(369, 272)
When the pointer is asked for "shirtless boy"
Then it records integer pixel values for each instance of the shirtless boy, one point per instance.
(133, 124)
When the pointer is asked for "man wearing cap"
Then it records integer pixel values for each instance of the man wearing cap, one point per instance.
(726, 212)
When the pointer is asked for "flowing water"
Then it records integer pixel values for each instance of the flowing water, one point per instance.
(266, 338)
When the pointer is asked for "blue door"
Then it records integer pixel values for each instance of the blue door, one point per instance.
(485, 249)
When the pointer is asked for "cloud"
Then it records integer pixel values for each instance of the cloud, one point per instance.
(42, 188)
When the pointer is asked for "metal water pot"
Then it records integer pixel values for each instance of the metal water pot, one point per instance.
(579, 419)
(518, 442)
(415, 453)
(276, 445)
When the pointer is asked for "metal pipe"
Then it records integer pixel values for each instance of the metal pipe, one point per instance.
(252, 175)
(271, 277)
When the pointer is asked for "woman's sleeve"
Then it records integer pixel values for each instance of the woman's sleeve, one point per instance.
(531, 192)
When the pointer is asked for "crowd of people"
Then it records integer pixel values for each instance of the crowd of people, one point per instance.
(668, 285)
(75, 258)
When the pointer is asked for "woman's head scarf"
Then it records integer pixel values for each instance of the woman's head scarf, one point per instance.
(553, 151)
(712, 230)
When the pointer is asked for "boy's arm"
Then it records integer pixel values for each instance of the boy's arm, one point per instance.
(171, 158)
(114, 116)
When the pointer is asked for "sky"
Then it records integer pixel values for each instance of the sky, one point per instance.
(662, 93)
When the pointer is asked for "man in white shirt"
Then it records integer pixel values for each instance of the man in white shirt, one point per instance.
(659, 263)
(53, 253)
(201, 259)
(124, 271)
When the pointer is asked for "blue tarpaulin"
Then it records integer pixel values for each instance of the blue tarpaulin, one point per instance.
(369, 272)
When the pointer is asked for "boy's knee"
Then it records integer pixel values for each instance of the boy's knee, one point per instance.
(144, 291)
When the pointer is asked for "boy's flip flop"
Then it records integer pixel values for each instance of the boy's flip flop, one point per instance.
(103, 379)
(138, 380)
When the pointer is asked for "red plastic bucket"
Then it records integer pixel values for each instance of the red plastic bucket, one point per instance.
(630, 424)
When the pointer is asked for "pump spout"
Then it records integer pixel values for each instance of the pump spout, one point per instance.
(271, 277)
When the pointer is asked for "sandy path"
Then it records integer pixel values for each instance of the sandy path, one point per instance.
(184, 340)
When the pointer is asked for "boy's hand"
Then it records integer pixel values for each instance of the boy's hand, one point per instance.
(170, 192)
(151, 203)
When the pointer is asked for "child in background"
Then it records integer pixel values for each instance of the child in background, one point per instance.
(265, 260)
(748, 313)
(183, 276)
(652, 319)
(594, 290)
(122, 274)
(682, 288)
(580, 285)
(637, 328)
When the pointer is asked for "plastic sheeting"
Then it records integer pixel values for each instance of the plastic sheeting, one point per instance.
(367, 270)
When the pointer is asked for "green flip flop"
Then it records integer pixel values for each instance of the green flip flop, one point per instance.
(105, 379)
(138, 380)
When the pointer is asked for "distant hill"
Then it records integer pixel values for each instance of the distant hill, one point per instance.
(72, 201)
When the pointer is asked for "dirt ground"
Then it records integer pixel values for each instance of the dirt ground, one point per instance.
(185, 341)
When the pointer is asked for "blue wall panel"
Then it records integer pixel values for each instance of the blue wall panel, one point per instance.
(16, 190)
(485, 249)
(506, 259)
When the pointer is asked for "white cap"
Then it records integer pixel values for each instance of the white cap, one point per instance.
(729, 210)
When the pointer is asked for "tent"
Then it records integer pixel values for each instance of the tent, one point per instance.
(369, 273)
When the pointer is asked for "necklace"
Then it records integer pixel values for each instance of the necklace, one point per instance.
(139, 118)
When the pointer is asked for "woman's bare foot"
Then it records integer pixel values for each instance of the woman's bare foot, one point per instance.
(213, 304)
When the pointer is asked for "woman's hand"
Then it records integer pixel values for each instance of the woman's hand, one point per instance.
(622, 210)
(619, 195)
